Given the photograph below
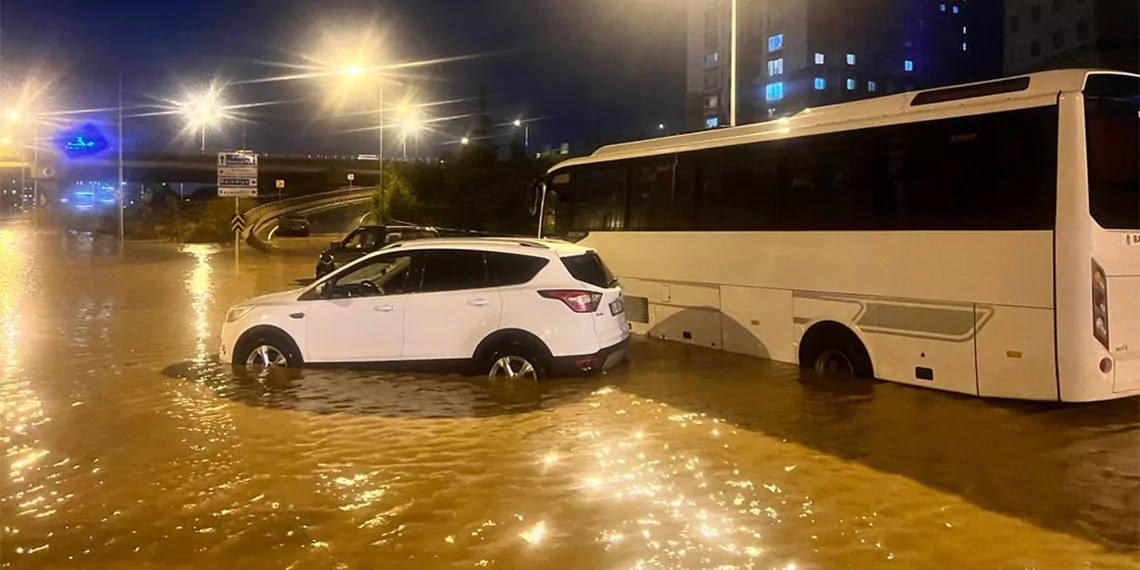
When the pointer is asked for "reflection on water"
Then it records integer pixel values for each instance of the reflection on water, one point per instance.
(156, 455)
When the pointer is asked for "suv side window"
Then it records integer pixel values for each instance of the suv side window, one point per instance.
(383, 275)
(453, 270)
(509, 269)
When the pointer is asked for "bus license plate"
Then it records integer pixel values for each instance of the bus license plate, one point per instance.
(617, 307)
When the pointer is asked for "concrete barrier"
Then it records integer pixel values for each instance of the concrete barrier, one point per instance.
(261, 216)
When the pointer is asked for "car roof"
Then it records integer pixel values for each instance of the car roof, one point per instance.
(524, 246)
(376, 227)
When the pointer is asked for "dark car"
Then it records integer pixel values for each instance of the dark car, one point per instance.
(365, 240)
(293, 225)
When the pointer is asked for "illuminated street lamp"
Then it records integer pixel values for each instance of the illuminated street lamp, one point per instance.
(411, 125)
(354, 71)
(465, 141)
(13, 115)
(519, 123)
(203, 111)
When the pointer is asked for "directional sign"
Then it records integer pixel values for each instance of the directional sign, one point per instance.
(238, 223)
(237, 192)
(280, 183)
(237, 174)
(351, 177)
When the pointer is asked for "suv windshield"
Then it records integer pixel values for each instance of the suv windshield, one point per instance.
(589, 268)
(1112, 104)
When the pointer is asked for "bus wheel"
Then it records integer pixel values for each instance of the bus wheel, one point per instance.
(830, 347)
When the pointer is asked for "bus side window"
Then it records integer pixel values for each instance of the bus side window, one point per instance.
(600, 197)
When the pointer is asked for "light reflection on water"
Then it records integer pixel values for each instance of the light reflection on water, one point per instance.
(689, 459)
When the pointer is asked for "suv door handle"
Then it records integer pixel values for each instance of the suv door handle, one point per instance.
(383, 308)
(478, 302)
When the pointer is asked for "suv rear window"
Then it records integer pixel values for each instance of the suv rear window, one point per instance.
(508, 269)
(588, 268)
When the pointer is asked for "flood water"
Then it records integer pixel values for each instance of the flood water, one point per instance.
(125, 445)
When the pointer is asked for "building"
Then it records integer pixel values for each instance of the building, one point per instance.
(1051, 34)
(806, 53)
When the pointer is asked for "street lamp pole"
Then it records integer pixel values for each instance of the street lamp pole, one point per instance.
(380, 156)
(203, 149)
(734, 42)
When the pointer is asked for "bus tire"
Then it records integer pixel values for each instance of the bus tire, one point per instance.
(830, 347)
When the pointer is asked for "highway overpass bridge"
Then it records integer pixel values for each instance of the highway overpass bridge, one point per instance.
(196, 173)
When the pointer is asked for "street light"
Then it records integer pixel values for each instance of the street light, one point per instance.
(354, 71)
(526, 134)
(411, 125)
(204, 110)
(14, 115)
(465, 141)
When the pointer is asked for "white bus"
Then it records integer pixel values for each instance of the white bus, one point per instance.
(981, 239)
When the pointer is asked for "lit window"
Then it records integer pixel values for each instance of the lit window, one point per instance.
(774, 91)
(908, 66)
(820, 83)
(850, 59)
(963, 30)
(775, 66)
(776, 42)
(963, 46)
(850, 84)
(711, 122)
(871, 86)
(818, 58)
(941, 7)
(955, 10)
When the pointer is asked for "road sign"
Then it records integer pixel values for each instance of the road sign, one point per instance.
(238, 223)
(280, 183)
(237, 175)
(351, 177)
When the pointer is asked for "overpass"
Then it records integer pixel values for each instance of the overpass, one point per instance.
(302, 174)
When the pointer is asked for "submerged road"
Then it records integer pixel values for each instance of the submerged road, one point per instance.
(126, 445)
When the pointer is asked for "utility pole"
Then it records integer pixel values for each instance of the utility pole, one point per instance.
(119, 191)
(380, 157)
(734, 41)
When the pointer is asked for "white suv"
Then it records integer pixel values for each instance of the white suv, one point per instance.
(496, 306)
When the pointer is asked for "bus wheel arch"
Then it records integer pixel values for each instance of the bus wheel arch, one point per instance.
(831, 346)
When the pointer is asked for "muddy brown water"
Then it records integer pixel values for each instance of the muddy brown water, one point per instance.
(125, 445)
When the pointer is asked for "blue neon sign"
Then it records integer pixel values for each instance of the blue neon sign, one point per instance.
(83, 142)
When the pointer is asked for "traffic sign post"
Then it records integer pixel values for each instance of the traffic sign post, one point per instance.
(237, 177)
(280, 186)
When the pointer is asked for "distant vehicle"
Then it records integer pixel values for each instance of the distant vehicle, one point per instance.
(365, 240)
(507, 308)
(980, 238)
(293, 225)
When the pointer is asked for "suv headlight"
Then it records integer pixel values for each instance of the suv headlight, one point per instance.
(237, 313)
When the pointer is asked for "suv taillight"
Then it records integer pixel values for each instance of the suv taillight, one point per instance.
(1100, 305)
(578, 301)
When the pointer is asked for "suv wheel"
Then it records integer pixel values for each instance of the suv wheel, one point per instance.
(515, 363)
(265, 351)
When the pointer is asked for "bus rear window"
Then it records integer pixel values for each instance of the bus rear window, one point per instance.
(1112, 131)
(588, 268)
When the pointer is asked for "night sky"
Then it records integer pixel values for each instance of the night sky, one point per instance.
(589, 68)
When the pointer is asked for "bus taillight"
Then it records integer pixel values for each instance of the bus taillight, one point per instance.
(1100, 304)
